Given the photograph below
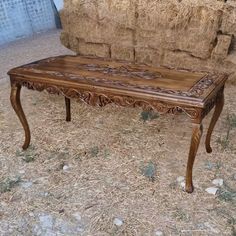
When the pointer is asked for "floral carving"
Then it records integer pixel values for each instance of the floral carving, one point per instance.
(124, 71)
(102, 99)
(201, 85)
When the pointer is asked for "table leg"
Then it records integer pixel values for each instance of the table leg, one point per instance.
(16, 104)
(218, 109)
(68, 112)
(196, 137)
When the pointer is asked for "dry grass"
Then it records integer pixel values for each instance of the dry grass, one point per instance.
(119, 166)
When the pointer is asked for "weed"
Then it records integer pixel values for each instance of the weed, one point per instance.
(232, 120)
(218, 165)
(210, 165)
(181, 215)
(149, 115)
(223, 142)
(9, 183)
(227, 194)
(106, 153)
(27, 156)
(94, 151)
(149, 171)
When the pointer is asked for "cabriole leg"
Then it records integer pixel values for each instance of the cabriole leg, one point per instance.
(68, 113)
(16, 104)
(218, 109)
(196, 137)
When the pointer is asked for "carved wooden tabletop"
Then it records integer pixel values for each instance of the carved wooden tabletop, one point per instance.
(99, 81)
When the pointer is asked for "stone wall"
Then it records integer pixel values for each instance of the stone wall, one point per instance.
(192, 34)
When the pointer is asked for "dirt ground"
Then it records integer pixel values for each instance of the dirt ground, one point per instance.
(110, 171)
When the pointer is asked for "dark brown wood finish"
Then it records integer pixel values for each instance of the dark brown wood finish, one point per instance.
(16, 104)
(218, 109)
(68, 112)
(99, 82)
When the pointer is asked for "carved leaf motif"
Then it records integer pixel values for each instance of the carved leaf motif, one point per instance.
(126, 71)
(98, 99)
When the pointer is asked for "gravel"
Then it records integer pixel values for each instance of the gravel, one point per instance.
(212, 190)
(218, 182)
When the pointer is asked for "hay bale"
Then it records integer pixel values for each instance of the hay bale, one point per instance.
(221, 49)
(174, 27)
(93, 49)
(149, 56)
(92, 31)
(228, 25)
(184, 60)
(122, 52)
(152, 31)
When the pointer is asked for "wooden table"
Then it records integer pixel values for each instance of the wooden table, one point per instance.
(99, 82)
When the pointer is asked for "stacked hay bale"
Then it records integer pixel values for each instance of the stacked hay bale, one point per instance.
(183, 34)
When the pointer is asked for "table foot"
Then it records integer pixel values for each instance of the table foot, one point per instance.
(68, 112)
(16, 104)
(218, 109)
(196, 137)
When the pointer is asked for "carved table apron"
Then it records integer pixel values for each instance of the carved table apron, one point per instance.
(99, 82)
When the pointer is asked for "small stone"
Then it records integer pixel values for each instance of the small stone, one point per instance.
(31, 214)
(218, 182)
(77, 216)
(180, 179)
(159, 233)
(65, 167)
(118, 222)
(64, 227)
(26, 184)
(182, 184)
(212, 190)
(46, 221)
(37, 230)
(43, 194)
(80, 229)
(21, 171)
